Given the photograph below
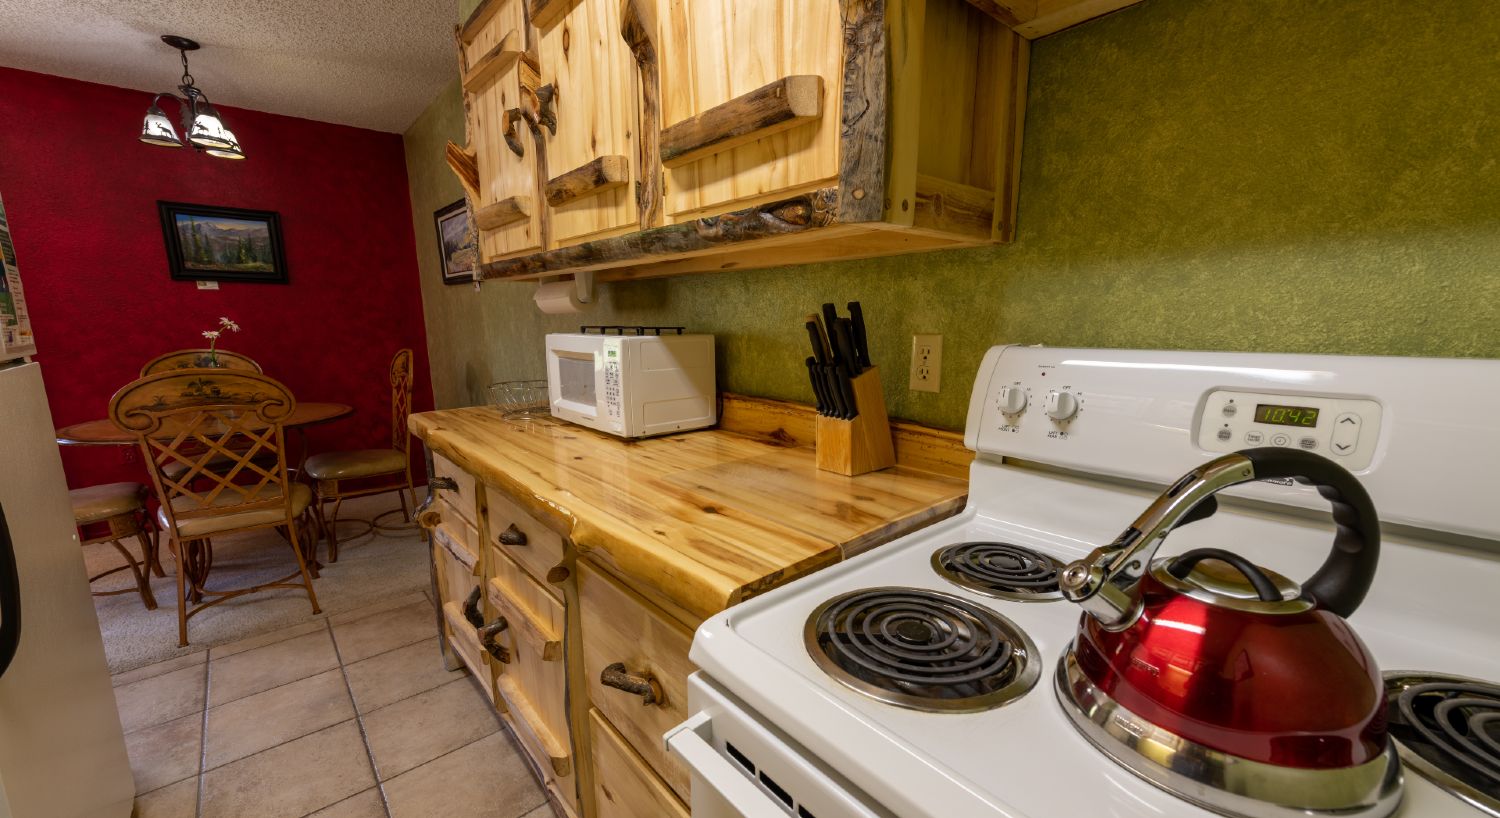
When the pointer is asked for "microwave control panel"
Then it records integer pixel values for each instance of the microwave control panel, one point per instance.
(1342, 429)
(613, 404)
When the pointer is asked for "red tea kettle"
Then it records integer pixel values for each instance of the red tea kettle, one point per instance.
(1223, 682)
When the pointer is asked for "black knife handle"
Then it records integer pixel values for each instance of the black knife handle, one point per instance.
(861, 341)
(815, 335)
(817, 385)
(831, 379)
(830, 322)
(845, 345)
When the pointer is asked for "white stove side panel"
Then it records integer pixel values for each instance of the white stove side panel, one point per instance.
(1431, 426)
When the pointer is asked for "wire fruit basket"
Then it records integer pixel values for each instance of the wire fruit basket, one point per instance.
(520, 400)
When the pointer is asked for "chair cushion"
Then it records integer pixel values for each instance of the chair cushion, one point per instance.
(95, 503)
(194, 527)
(353, 465)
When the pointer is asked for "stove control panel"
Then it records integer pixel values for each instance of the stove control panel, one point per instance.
(1342, 429)
(1149, 415)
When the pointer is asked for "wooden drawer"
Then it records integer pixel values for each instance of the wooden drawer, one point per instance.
(534, 682)
(624, 786)
(464, 499)
(620, 627)
(447, 537)
(465, 643)
(542, 551)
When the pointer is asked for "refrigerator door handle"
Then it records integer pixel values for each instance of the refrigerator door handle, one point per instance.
(10, 598)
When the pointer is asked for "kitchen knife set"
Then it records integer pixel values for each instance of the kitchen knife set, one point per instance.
(840, 353)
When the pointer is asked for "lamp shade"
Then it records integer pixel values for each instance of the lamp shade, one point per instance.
(208, 130)
(231, 152)
(158, 130)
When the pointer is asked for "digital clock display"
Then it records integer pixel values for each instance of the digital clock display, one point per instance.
(1304, 416)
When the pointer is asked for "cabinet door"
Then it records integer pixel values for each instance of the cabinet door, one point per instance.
(591, 159)
(507, 214)
(750, 101)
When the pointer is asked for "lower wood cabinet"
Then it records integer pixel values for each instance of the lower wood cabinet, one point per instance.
(587, 673)
(624, 785)
(628, 642)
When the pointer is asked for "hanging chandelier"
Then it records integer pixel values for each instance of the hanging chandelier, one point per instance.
(200, 120)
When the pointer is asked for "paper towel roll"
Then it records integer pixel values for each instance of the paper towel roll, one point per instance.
(557, 297)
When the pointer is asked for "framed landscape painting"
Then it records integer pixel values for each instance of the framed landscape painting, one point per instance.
(456, 244)
(206, 243)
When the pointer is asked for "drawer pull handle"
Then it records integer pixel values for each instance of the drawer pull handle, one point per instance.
(512, 536)
(471, 609)
(443, 484)
(646, 686)
(487, 636)
(512, 137)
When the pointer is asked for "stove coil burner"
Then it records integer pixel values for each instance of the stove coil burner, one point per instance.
(1448, 729)
(1000, 570)
(922, 650)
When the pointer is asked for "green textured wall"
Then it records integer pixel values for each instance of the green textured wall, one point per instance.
(1282, 175)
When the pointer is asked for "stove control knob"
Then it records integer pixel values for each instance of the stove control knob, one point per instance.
(1060, 405)
(1012, 399)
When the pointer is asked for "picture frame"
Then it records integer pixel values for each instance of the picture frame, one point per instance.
(212, 243)
(458, 251)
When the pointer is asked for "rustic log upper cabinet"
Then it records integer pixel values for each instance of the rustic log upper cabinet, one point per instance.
(647, 138)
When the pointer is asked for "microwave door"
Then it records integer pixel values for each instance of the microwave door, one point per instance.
(577, 384)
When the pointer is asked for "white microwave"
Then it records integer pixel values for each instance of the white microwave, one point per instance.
(653, 382)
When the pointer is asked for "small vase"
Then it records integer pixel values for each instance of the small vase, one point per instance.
(208, 362)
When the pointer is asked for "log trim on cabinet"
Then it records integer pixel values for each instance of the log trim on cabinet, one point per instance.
(497, 59)
(506, 211)
(638, 27)
(603, 173)
(774, 107)
(481, 14)
(543, 13)
(810, 211)
(862, 129)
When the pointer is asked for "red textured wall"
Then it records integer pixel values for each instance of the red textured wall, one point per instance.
(81, 193)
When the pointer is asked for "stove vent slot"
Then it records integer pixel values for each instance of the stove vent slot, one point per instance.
(776, 790)
(766, 781)
(735, 754)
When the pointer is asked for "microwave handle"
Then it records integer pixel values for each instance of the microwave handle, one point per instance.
(688, 742)
(10, 598)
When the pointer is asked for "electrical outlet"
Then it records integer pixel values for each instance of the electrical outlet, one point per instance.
(926, 362)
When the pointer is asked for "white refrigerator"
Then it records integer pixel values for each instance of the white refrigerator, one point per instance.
(62, 753)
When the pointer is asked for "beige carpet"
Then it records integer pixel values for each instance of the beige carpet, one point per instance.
(370, 568)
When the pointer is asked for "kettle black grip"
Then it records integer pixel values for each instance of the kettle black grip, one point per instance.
(1345, 577)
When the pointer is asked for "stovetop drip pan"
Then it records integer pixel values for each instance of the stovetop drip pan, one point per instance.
(922, 649)
(1448, 730)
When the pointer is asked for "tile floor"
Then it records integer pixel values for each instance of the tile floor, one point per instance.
(349, 716)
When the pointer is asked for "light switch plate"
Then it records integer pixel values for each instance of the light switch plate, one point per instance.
(926, 362)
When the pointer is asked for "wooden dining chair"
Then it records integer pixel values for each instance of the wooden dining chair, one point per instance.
(373, 471)
(194, 417)
(110, 513)
(194, 359)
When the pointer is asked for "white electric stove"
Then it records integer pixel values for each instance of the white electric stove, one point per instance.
(1072, 445)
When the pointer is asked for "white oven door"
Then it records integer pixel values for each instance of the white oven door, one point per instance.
(742, 768)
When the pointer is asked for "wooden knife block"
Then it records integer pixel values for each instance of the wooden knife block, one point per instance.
(863, 444)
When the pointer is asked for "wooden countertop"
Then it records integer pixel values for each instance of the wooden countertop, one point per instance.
(703, 519)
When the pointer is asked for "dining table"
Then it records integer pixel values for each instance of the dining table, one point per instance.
(104, 432)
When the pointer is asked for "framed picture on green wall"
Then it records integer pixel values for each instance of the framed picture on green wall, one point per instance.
(456, 244)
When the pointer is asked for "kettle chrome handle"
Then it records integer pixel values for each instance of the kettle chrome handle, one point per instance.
(1106, 583)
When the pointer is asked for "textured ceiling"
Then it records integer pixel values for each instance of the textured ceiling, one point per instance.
(370, 63)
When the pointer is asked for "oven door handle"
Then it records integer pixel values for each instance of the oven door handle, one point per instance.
(689, 742)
